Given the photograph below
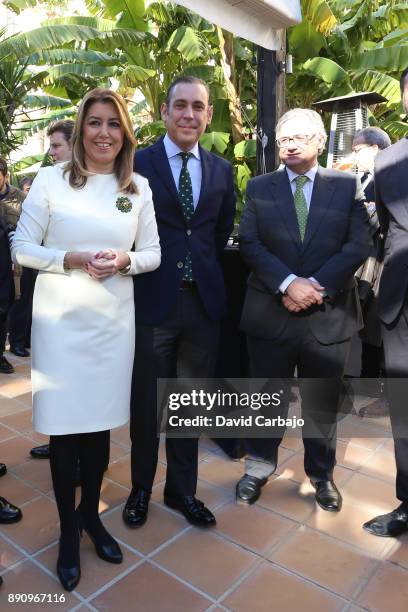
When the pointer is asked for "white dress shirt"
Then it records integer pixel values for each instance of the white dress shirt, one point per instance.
(307, 190)
(193, 165)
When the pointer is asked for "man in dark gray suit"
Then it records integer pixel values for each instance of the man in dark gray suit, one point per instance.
(304, 232)
(391, 187)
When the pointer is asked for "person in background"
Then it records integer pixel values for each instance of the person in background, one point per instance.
(25, 184)
(78, 227)
(367, 143)
(11, 199)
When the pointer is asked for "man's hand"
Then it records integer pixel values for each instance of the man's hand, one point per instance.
(305, 292)
(290, 305)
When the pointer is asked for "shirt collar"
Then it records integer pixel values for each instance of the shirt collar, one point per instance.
(172, 149)
(311, 174)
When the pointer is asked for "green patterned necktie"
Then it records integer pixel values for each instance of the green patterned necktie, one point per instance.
(185, 190)
(301, 204)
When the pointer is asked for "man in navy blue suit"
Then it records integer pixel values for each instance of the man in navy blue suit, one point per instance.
(178, 306)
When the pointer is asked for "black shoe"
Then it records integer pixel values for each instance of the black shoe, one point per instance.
(1, 580)
(19, 350)
(40, 452)
(106, 546)
(135, 511)
(5, 366)
(9, 513)
(68, 565)
(327, 495)
(248, 489)
(389, 525)
(193, 509)
(3, 469)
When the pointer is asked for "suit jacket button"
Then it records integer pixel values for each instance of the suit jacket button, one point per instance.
(180, 264)
(189, 232)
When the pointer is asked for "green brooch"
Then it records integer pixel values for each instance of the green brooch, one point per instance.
(123, 204)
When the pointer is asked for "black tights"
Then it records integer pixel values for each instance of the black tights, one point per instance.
(92, 450)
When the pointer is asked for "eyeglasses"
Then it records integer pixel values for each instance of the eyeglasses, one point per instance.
(299, 140)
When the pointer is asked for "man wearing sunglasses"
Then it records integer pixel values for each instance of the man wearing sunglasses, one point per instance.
(304, 232)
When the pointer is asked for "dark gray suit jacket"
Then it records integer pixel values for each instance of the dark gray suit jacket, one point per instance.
(391, 187)
(337, 241)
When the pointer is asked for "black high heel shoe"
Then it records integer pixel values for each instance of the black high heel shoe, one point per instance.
(106, 546)
(69, 576)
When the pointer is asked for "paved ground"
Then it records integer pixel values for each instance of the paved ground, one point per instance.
(282, 554)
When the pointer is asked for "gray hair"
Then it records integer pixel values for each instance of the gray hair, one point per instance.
(309, 115)
(373, 136)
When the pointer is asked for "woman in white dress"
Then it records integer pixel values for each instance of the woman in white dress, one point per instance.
(78, 225)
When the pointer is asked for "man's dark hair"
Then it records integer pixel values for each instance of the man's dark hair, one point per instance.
(403, 78)
(66, 126)
(25, 181)
(373, 136)
(191, 80)
(3, 166)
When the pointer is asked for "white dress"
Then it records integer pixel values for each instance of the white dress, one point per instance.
(83, 330)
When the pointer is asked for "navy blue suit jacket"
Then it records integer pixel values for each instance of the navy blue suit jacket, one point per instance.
(206, 235)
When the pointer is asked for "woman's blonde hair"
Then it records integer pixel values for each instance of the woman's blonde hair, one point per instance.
(123, 166)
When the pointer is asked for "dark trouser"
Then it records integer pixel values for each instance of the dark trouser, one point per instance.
(3, 332)
(371, 360)
(184, 345)
(297, 347)
(395, 338)
(21, 311)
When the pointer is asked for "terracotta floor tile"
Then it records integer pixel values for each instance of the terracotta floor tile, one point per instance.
(372, 443)
(21, 421)
(288, 498)
(203, 452)
(347, 526)
(324, 560)
(9, 555)
(377, 495)
(269, 588)
(29, 578)
(94, 571)
(294, 470)
(386, 590)
(151, 590)
(111, 495)
(16, 387)
(160, 526)
(399, 552)
(10, 406)
(15, 451)
(208, 562)
(292, 442)
(252, 527)
(211, 495)
(16, 491)
(23, 369)
(26, 398)
(221, 472)
(121, 435)
(36, 473)
(351, 456)
(381, 465)
(6, 433)
(38, 438)
(39, 526)
(119, 471)
(117, 451)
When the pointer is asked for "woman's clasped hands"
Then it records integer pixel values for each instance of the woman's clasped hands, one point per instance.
(100, 265)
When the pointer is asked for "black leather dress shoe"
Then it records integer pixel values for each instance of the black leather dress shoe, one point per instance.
(3, 469)
(41, 452)
(327, 495)
(8, 512)
(389, 525)
(19, 350)
(193, 509)
(248, 489)
(5, 366)
(135, 511)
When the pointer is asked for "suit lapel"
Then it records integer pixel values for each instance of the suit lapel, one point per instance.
(162, 167)
(206, 161)
(322, 193)
(286, 204)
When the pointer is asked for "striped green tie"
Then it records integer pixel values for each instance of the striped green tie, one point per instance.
(185, 190)
(301, 204)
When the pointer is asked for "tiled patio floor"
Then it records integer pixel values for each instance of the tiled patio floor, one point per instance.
(282, 554)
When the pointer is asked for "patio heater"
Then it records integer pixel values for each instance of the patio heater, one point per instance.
(349, 114)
